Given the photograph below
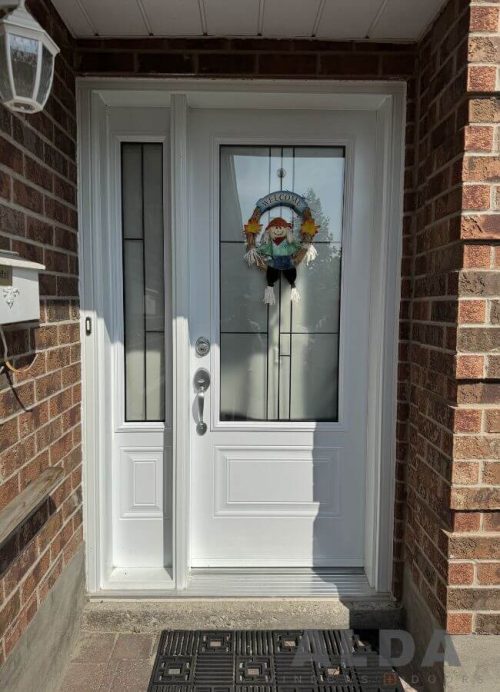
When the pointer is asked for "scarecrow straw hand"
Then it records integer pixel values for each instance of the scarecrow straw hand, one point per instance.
(299, 256)
(260, 262)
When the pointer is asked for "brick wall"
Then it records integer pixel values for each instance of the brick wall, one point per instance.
(447, 393)
(40, 409)
(451, 469)
(244, 58)
(473, 601)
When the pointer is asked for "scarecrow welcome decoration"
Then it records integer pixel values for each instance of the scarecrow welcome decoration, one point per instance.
(278, 251)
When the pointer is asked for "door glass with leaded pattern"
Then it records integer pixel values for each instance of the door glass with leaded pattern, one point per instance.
(280, 362)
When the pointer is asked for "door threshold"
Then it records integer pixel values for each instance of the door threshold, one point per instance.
(278, 582)
(236, 582)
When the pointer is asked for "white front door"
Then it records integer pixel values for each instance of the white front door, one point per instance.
(278, 479)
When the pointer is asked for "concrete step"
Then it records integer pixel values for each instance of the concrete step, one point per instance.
(153, 615)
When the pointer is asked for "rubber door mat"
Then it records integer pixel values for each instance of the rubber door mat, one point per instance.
(269, 661)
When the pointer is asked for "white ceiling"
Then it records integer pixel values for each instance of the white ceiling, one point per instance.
(377, 20)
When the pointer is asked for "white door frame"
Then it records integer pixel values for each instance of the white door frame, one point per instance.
(95, 97)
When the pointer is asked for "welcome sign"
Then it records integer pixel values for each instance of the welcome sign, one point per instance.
(283, 198)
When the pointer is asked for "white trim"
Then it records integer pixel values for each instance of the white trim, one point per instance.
(388, 99)
(181, 345)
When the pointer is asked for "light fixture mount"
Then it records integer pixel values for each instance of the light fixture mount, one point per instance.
(27, 54)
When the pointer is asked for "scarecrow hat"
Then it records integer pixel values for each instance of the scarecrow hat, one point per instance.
(279, 223)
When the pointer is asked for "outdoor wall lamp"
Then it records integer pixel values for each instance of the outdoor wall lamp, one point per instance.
(27, 55)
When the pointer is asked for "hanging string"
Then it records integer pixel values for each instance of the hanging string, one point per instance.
(6, 362)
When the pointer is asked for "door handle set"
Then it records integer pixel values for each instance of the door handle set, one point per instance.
(201, 384)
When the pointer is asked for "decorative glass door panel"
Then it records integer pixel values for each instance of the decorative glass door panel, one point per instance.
(143, 281)
(280, 361)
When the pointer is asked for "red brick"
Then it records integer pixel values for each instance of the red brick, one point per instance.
(484, 49)
(461, 573)
(481, 227)
(481, 169)
(477, 256)
(484, 110)
(492, 421)
(466, 522)
(5, 186)
(167, 63)
(487, 623)
(475, 498)
(488, 573)
(10, 155)
(478, 393)
(280, 64)
(465, 472)
(106, 62)
(38, 174)
(459, 623)
(477, 447)
(491, 472)
(467, 420)
(484, 18)
(478, 339)
(477, 283)
(493, 367)
(476, 197)
(73, 545)
(491, 521)
(474, 546)
(8, 491)
(27, 196)
(9, 612)
(472, 311)
(469, 367)
(348, 64)
(481, 78)
(478, 138)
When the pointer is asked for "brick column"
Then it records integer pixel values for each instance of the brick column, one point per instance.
(453, 470)
(473, 545)
(40, 408)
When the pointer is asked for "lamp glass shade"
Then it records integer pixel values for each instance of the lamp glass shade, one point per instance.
(24, 59)
(45, 76)
(26, 62)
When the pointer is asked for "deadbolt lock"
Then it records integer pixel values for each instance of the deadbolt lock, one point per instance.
(202, 346)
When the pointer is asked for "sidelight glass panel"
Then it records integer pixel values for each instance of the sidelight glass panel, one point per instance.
(280, 362)
(143, 281)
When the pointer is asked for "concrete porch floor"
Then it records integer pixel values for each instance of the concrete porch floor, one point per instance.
(117, 644)
(122, 662)
(111, 662)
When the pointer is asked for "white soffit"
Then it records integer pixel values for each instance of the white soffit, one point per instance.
(399, 17)
(347, 19)
(231, 17)
(174, 17)
(377, 20)
(280, 22)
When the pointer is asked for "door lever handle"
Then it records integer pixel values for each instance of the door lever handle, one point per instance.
(201, 384)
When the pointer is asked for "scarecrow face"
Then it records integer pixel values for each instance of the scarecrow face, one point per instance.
(278, 228)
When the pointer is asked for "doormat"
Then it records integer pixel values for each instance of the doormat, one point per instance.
(270, 661)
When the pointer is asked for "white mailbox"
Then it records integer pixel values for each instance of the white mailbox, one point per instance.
(19, 292)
